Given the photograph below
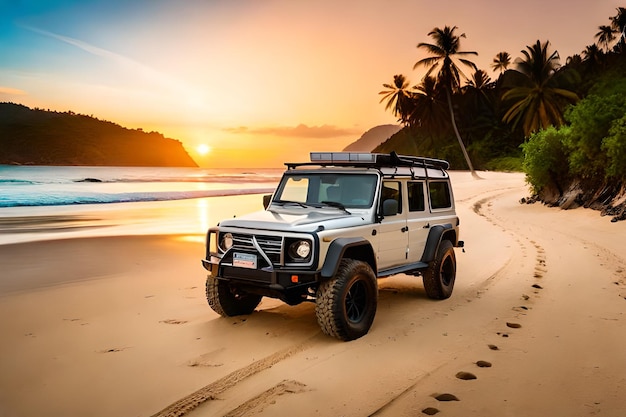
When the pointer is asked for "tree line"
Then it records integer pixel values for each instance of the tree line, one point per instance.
(40, 137)
(561, 123)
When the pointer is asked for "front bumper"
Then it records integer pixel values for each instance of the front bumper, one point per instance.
(274, 279)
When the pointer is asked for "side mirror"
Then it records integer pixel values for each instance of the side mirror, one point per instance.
(390, 207)
(267, 199)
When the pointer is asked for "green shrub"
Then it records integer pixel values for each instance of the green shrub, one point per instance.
(591, 120)
(545, 159)
(615, 147)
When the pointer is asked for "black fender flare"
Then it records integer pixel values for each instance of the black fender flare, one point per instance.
(338, 248)
(434, 239)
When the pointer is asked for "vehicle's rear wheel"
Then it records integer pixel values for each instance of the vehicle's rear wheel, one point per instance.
(441, 272)
(227, 300)
(346, 303)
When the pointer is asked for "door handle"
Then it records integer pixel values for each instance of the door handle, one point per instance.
(426, 226)
(405, 229)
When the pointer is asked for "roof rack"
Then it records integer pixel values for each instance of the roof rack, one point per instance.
(370, 160)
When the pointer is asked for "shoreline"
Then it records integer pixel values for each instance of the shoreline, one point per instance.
(186, 216)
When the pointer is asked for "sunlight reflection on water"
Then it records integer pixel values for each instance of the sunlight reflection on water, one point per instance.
(190, 217)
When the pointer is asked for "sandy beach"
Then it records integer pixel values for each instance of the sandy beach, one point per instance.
(119, 326)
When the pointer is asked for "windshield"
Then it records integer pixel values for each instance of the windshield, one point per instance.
(335, 190)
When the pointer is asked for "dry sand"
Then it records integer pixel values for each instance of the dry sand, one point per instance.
(119, 326)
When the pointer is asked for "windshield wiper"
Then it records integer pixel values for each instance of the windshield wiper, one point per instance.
(337, 205)
(297, 203)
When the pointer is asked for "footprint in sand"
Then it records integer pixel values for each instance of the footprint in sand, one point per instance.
(493, 347)
(483, 364)
(446, 397)
(513, 325)
(204, 362)
(113, 350)
(466, 376)
(173, 321)
(537, 286)
(430, 411)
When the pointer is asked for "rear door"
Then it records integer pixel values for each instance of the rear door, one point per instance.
(418, 219)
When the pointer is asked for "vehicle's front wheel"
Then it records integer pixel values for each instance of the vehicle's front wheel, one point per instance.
(346, 303)
(228, 301)
(441, 272)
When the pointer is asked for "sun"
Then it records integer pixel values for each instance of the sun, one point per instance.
(203, 149)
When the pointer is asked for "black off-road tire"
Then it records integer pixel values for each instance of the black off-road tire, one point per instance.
(227, 301)
(346, 304)
(441, 272)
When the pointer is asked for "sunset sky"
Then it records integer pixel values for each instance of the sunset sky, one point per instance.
(258, 82)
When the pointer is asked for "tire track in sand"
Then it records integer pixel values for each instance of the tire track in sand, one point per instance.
(258, 403)
(211, 391)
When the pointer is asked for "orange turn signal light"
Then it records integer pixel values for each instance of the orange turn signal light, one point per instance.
(295, 279)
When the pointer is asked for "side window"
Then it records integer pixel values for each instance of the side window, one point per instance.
(416, 196)
(392, 191)
(439, 195)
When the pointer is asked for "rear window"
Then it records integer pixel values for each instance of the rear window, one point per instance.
(416, 196)
(439, 195)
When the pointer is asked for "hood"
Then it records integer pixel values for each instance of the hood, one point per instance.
(295, 220)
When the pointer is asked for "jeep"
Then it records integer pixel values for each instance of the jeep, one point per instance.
(333, 226)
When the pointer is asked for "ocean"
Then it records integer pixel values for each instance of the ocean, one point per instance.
(43, 202)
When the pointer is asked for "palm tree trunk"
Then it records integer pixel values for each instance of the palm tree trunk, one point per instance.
(458, 137)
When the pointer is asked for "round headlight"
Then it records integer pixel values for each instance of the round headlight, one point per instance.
(300, 249)
(226, 241)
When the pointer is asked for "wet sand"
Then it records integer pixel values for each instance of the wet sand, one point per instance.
(119, 326)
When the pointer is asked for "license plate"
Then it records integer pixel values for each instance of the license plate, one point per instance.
(244, 260)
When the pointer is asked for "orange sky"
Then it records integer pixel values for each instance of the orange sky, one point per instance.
(260, 82)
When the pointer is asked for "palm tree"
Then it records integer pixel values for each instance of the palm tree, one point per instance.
(616, 30)
(605, 36)
(445, 51)
(501, 62)
(536, 93)
(479, 80)
(398, 98)
(478, 93)
(618, 23)
(480, 105)
(428, 108)
(593, 57)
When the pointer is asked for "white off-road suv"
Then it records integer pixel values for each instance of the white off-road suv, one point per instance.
(332, 227)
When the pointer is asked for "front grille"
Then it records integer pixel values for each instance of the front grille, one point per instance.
(272, 246)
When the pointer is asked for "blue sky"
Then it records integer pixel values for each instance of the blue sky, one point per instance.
(255, 77)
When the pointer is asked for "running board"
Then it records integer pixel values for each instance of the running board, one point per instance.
(402, 269)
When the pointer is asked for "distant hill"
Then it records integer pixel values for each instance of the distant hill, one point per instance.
(39, 137)
(372, 138)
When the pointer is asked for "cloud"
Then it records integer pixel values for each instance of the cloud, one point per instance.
(87, 47)
(141, 70)
(299, 131)
(11, 91)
